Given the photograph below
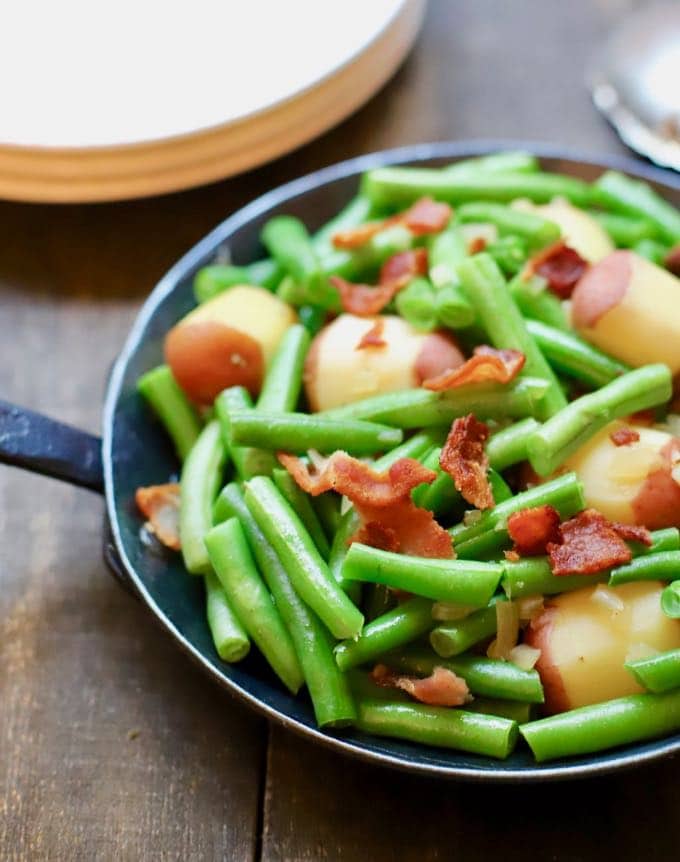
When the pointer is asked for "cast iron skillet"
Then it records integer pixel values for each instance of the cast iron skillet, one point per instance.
(135, 451)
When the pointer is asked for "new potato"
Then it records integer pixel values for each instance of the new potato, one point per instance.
(579, 230)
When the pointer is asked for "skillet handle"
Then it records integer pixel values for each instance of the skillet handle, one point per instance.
(45, 446)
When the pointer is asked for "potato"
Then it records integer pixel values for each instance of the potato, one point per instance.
(586, 636)
(635, 483)
(227, 341)
(337, 373)
(630, 308)
(579, 230)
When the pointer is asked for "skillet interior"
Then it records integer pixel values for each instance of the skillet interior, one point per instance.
(136, 452)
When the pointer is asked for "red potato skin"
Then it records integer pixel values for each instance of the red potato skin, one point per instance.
(657, 504)
(601, 289)
(438, 354)
(538, 636)
(207, 356)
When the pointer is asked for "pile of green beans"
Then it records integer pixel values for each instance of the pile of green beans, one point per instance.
(296, 574)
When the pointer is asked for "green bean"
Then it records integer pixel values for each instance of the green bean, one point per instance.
(248, 460)
(621, 193)
(666, 539)
(501, 318)
(354, 213)
(287, 240)
(515, 711)
(418, 408)
(537, 302)
(657, 673)
(172, 407)
(565, 432)
(327, 508)
(670, 600)
(229, 636)
(416, 303)
(487, 677)
(435, 725)
(537, 231)
(307, 570)
(603, 725)
(283, 382)
(510, 253)
(453, 638)
(445, 251)
(312, 317)
(649, 567)
(200, 482)
(500, 490)
(652, 250)
(509, 445)
(489, 530)
(573, 356)
(234, 566)
(623, 230)
(216, 278)
(365, 688)
(298, 432)
(515, 161)
(328, 688)
(394, 187)
(453, 308)
(378, 600)
(441, 495)
(466, 581)
(302, 506)
(397, 627)
(417, 446)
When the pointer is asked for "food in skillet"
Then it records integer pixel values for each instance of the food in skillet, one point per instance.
(431, 460)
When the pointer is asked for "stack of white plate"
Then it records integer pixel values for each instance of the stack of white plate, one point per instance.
(104, 101)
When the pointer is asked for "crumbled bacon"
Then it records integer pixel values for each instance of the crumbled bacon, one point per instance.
(487, 365)
(365, 300)
(403, 265)
(373, 336)
(672, 260)
(464, 459)
(560, 265)
(624, 436)
(424, 216)
(476, 245)
(382, 501)
(631, 533)
(511, 556)
(533, 529)
(589, 543)
(160, 506)
(441, 688)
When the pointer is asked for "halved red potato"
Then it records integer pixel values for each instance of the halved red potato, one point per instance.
(579, 230)
(337, 372)
(586, 636)
(227, 341)
(630, 308)
(635, 483)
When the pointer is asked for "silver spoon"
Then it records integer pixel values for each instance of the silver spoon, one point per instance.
(635, 82)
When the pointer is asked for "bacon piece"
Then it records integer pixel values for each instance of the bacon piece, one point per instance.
(672, 261)
(424, 216)
(511, 556)
(624, 437)
(589, 543)
(560, 265)
(476, 244)
(373, 336)
(487, 365)
(532, 529)
(464, 459)
(631, 533)
(388, 515)
(160, 506)
(441, 688)
(403, 265)
(362, 299)
(354, 237)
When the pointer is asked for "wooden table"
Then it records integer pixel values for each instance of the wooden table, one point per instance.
(112, 745)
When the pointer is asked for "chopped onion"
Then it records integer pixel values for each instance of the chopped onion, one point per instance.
(529, 607)
(607, 598)
(507, 631)
(451, 611)
(640, 650)
(524, 656)
(471, 517)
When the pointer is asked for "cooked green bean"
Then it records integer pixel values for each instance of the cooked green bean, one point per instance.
(298, 432)
(500, 490)
(466, 581)
(509, 252)
(302, 506)
(637, 198)
(248, 460)
(649, 567)
(172, 407)
(603, 725)
(537, 231)
(571, 355)
(200, 482)
(515, 161)
(537, 302)
(354, 213)
(416, 303)
(514, 710)
(441, 495)
(670, 600)
(397, 627)
(625, 231)
(657, 673)
(216, 278)
(652, 250)
(453, 308)
(435, 725)
(395, 187)
(378, 600)
(234, 566)
(453, 638)
(229, 636)
(283, 382)
(445, 251)
(487, 677)
(327, 508)
(312, 317)
(328, 688)
(561, 435)
(509, 445)
(287, 240)
(501, 318)
(306, 568)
